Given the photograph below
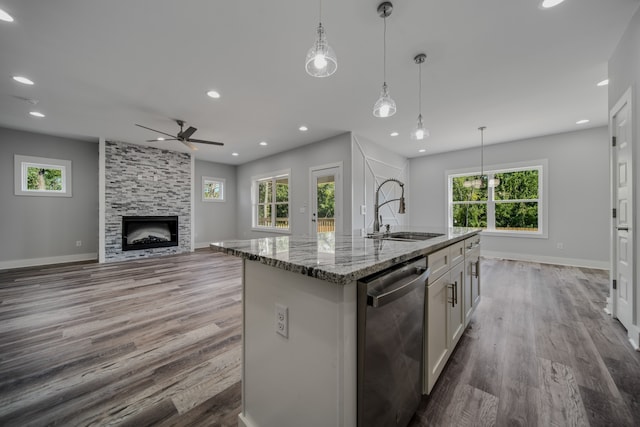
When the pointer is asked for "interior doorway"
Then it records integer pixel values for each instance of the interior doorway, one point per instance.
(326, 198)
(623, 287)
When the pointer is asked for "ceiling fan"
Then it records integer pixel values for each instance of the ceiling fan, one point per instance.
(183, 136)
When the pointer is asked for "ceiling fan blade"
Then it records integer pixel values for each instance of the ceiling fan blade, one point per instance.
(162, 140)
(202, 141)
(187, 133)
(188, 144)
(164, 133)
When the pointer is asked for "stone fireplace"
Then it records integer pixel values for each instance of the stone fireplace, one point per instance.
(146, 232)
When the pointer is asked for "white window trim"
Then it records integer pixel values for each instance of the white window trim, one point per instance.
(254, 191)
(543, 196)
(223, 187)
(22, 163)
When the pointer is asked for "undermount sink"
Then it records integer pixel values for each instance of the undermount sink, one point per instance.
(404, 236)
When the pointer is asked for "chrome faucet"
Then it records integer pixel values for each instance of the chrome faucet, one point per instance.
(401, 210)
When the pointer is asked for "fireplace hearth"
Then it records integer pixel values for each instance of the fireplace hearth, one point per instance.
(145, 232)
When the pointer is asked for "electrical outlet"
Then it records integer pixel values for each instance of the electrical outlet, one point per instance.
(78, 243)
(560, 245)
(363, 209)
(282, 320)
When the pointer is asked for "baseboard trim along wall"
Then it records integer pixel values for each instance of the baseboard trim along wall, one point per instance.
(572, 262)
(201, 245)
(32, 262)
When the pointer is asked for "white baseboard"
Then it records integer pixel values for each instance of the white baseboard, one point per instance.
(244, 422)
(573, 262)
(200, 245)
(31, 262)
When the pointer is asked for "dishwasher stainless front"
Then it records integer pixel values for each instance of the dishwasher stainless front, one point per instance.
(390, 328)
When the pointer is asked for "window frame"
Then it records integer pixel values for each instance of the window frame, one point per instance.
(21, 167)
(541, 165)
(223, 190)
(273, 176)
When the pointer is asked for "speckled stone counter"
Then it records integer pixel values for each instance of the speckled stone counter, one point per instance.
(336, 258)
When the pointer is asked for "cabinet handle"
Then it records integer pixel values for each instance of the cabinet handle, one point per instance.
(455, 293)
(452, 298)
(478, 268)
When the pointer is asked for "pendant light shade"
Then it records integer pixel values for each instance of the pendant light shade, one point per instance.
(385, 106)
(420, 133)
(321, 60)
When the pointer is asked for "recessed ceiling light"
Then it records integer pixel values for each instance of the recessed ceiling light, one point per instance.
(23, 80)
(422, 150)
(36, 114)
(4, 16)
(235, 154)
(581, 122)
(213, 94)
(303, 128)
(604, 82)
(160, 138)
(394, 134)
(263, 143)
(550, 3)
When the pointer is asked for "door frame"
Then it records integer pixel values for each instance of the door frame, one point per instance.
(338, 196)
(633, 332)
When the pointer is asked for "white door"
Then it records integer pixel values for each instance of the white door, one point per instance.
(326, 198)
(622, 195)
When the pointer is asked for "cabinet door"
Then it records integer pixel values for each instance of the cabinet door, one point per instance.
(469, 277)
(455, 327)
(437, 341)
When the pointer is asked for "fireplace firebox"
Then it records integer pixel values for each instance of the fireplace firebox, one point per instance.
(144, 232)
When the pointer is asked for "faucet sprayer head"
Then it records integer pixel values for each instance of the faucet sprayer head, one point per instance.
(401, 210)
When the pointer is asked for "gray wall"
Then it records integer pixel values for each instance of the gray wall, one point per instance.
(215, 220)
(578, 200)
(299, 160)
(45, 227)
(624, 73)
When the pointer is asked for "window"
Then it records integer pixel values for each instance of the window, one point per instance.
(212, 189)
(271, 201)
(512, 204)
(39, 176)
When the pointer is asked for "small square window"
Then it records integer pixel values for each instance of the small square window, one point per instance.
(39, 176)
(213, 189)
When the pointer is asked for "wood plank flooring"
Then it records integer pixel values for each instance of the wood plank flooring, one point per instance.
(157, 342)
(149, 342)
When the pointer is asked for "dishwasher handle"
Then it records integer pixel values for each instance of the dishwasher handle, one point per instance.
(388, 297)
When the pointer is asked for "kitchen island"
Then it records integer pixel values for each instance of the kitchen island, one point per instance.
(300, 321)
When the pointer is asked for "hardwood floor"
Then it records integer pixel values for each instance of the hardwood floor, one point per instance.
(157, 342)
(149, 342)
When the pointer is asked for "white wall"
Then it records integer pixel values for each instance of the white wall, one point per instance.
(215, 221)
(371, 165)
(44, 230)
(624, 73)
(299, 160)
(578, 200)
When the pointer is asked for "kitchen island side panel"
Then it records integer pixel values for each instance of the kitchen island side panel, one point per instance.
(308, 378)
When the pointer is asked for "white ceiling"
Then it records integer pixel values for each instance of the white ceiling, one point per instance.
(101, 66)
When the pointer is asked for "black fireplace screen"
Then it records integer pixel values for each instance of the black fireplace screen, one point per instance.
(144, 232)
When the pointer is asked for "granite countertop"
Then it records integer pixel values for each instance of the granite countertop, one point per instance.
(338, 258)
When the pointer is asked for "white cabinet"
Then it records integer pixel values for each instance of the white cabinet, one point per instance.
(471, 292)
(444, 313)
(452, 294)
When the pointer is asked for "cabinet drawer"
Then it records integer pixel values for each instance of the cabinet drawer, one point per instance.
(456, 253)
(472, 243)
(439, 264)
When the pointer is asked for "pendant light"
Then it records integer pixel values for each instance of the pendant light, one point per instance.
(478, 183)
(321, 59)
(420, 133)
(384, 106)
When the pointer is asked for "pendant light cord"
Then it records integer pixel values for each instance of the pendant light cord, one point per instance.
(320, 11)
(481, 153)
(384, 52)
(420, 88)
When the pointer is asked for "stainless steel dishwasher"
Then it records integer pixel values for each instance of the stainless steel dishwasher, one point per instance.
(390, 328)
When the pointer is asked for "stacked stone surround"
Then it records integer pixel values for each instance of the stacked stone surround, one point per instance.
(146, 181)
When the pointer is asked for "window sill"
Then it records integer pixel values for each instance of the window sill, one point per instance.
(272, 230)
(526, 235)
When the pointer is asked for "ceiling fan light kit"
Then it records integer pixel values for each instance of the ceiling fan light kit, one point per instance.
(321, 60)
(385, 106)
